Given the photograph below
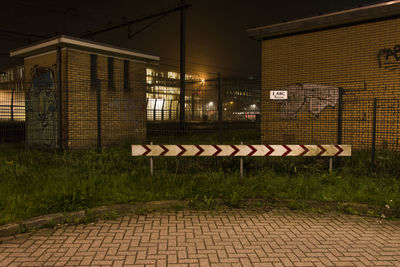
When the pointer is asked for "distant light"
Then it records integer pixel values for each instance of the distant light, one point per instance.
(3, 74)
(211, 103)
(203, 80)
(253, 106)
(231, 103)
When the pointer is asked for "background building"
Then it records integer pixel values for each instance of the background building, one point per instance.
(81, 94)
(12, 97)
(333, 66)
(240, 98)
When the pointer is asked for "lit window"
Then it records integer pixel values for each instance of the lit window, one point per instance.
(150, 72)
(173, 75)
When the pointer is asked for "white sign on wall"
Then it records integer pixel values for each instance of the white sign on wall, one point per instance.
(278, 95)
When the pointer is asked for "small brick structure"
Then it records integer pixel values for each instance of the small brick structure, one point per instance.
(357, 50)
(102, 89)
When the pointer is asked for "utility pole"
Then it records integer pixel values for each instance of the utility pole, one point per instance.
(183, 70)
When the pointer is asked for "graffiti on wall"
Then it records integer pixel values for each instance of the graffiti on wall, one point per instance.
(41, 107)
(312, 97)
(389, 58)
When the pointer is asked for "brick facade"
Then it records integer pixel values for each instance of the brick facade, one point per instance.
(363, 59)
(122, 110)
(123, 113)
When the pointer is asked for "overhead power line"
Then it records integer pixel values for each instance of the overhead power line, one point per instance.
(23, 34)
(136, 20)
(146, 26)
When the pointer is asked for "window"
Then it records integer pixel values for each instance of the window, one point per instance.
(111, 73)
(93, 70)
(126, 75)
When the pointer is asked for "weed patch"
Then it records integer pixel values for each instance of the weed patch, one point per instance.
(34, 182)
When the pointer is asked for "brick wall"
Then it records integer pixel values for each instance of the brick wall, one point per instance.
(362, 59)
(123, 112)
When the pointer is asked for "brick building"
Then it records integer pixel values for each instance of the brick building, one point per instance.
(357, 50)
(102, 89)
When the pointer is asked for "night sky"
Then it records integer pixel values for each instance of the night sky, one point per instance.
(216, 36)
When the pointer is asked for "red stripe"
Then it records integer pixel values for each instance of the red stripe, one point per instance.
(183, 150)
(323, 150)
(253, 150)
(201, 150)
(165, 150)
(305, 150)
(340, 150)
(148, 150)
(288, 150)
(235, 150)
(218, 150)
(271, 150)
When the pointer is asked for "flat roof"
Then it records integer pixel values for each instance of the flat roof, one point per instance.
(68, 41)
(335, 19)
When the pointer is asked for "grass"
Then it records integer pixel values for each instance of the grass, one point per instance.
(34, 182)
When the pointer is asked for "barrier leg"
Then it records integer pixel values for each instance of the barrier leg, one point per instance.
(241, 164)
(151, 163)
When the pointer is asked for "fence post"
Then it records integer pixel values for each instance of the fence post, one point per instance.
(241, 164)
(154, 110)
(12, 102)
(182, 70)
(151, 163)
(219, 107)
(340, 122)
(59, 102)
(373, 132)
(98, 115)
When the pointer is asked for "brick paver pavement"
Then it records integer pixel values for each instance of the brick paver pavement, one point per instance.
(279, 237)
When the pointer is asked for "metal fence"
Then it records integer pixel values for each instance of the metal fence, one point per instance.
(97, 115)
(240, 99)
(330, 115)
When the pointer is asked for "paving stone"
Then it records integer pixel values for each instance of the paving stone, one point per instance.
(280, 237)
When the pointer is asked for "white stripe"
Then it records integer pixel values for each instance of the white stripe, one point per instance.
(244, 150)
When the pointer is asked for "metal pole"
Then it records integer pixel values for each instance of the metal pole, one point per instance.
(340, 122)
(193, 106)
(154, 110)
(241, 164)
(374, 133)
(183, 71)
(151, 163)
(59, 96)
(220, 107)
(98, 115)
(162, 110)
(12, 102)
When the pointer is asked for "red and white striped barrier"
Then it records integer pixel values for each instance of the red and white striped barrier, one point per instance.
(241, 150)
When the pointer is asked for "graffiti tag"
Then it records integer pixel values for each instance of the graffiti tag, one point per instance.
(41, 107)
(389, 58)
(314, 97)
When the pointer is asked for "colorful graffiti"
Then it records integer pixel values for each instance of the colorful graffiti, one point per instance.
(313, 97)
(41, 108)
